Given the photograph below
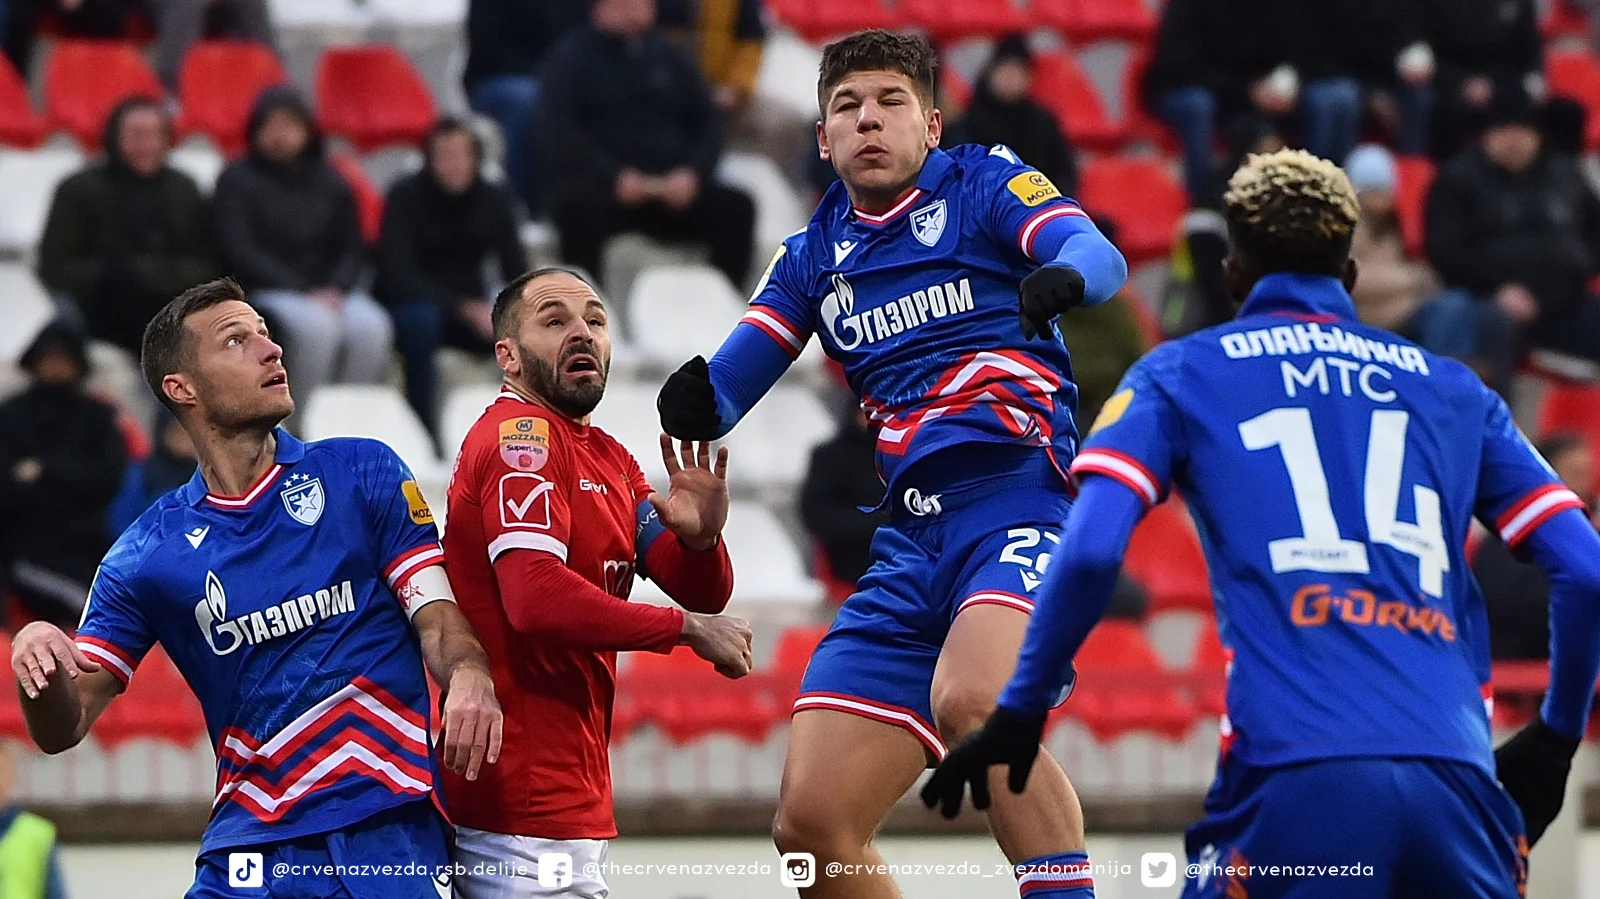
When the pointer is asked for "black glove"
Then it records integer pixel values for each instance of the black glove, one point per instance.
(1045, 294)
(688, 403)
(1533, 766)
(1005, 739)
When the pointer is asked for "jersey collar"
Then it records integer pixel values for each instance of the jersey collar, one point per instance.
(933, 172)
(290, 450)
(1310, 297)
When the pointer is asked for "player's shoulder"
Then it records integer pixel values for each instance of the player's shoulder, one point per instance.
(524, 434)
(140, 539)
(350, 450)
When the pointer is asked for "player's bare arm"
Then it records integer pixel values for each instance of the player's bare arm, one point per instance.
(63, 690)
(471, 729)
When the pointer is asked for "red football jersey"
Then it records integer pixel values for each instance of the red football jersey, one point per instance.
(528, 478)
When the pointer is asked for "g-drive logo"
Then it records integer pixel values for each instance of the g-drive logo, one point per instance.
(850, 329)
(290, 616)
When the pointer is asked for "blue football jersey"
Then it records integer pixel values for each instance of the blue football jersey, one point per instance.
(280, 609)
(1332, 470)
(919, 305)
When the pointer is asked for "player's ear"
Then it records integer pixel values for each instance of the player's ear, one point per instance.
(822, 141)
(1349, 277)
(505, 356)
(179, 390)
(935, 128)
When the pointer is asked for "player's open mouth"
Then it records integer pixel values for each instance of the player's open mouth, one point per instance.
(278, 380)
(582, 364)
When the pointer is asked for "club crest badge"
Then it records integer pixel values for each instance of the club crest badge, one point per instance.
(927, 223)
(304, 499)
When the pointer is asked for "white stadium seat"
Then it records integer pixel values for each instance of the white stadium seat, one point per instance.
(676, 312)
(461, 411)
(28, 182)
(379, 412)
(320, 15)
(779, 212)
(420, 13)
(24, 309)
(200, 161)
(628, 413)
(766, 565)
(773, 443)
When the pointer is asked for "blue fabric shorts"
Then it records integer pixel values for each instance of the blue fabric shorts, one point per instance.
(943, 551)
(412, 839)
(1358, 827)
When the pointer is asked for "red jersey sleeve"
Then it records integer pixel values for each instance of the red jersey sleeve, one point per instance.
(521, 476)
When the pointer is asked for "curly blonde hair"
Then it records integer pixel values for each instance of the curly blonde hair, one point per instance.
(1292, 211)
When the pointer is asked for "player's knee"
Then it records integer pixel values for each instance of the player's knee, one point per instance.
(815, 827)
(959, 710)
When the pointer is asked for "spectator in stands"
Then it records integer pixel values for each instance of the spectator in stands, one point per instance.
(288, 230)
(1002, 111)
(169, 465)
(20, 21)
(630, 125)
(842, 480)
(1516, 594)
(439, 227)
(1382, 45)
(179, 23)
(28, 857)
(1519, 229)
(61, 463)
(727, 37)
(1217, 61)
(1390, 288)
(1482, 49)
(129, 233)
(506, 43)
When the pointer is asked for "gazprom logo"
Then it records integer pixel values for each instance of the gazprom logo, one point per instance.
(850, 329)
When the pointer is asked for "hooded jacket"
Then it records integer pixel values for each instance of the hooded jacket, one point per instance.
(1224, 46)
(290, 226)
(1024, 126)
(122, 244)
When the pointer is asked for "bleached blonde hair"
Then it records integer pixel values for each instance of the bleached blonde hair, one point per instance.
(1292, 211)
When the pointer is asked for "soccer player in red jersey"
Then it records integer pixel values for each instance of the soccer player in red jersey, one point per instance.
(549, 521)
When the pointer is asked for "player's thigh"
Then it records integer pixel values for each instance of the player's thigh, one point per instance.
(1330, 828)
(492, 865)
(298, 869)
(1467, 837)
(842, 775)
(978, 658)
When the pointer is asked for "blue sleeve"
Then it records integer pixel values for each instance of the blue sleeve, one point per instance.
(114, 630)
(402, 523)
(54, 886)
(1026, 211)
(647, 530)
(1137, 438)
(1517, 491)
(1568, 549)
(767, 340)
(1075, 593)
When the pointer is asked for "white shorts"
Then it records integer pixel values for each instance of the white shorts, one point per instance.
(503, 866)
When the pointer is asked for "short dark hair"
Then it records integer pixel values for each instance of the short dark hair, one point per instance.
(1291, 211)
(448, 125)
(878, 50)
(504, 317)
(168, 344)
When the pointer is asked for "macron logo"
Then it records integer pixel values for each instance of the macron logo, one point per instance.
(197, 536)
(841, 250)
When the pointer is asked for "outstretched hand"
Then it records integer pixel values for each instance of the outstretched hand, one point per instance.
(696, 505)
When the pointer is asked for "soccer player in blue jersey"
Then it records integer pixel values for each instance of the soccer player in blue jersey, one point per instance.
(300, 589)
(934, 277)
(1333, 471)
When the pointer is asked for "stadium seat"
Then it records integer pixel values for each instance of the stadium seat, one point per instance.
(420, 13)
(200, 162)
(676, 312)
(379, 412)
(1141, 197)
(1211, 660)
(1119, 689)
(779, 211)
(320, 17)
(957, 93)
(1086, 21)
(818, 20)
(773, 444)
(948, 20)
(20, 124)
(372, 95)
(628, 414)
(770, 567)
(1414, 176)
(25, 307)
(687, 699)
(1573, 408)
(1060, 85)
(1575, 74)
(28, 180)
(461, 411)
(85, 80)
(217, 85)
(369, 200)
(1164, 557)
(795, 646)
(1561, 20)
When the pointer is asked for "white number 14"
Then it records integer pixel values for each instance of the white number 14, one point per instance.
(1321, 547)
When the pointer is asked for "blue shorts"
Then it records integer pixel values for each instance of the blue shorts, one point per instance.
(413, 839)
(943, 551)
(1385, 827)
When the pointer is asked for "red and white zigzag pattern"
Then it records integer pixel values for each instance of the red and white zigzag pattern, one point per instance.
(269, 796)
(1003, 379)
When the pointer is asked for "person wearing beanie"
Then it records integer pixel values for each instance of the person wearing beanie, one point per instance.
(62, 459)
(1392, 287)
(1003, 111)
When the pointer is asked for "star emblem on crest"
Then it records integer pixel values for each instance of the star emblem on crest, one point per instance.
(298, 478)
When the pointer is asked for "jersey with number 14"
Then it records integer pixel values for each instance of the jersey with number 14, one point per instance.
(1333, 470)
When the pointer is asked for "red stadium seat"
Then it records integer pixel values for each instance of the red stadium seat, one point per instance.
(1575, 74)
(683, 695)
(946, 20)
(1141, 125)
(1164, 557)
(1561, 20)
(957, 92)
(85, 80)
(1415, 174)
(795, 646)
(1141, 198)
(1086, 21)
(1211, 659)
(369, 200)
(1119, 687)
(1574, 408)
(1060, 85)
(219, 82)
(819, 20)
(373, 96)
(20, 124)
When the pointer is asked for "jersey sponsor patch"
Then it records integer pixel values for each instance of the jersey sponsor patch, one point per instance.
(1032, 188)
(525, 443)
(1113, 410)
(767, 275)
(525, 501)
(416, 504)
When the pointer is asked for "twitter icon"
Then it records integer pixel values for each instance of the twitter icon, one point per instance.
(1158, 869)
